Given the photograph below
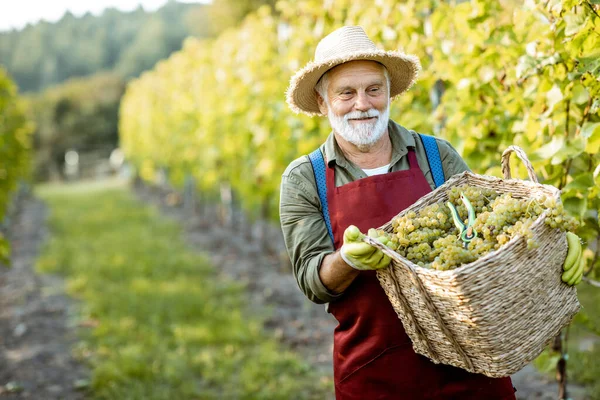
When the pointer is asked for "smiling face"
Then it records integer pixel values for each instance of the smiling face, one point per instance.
(357, 101)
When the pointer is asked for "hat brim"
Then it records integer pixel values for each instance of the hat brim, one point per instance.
(301, 96)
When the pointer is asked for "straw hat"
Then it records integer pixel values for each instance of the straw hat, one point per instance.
(348, 44)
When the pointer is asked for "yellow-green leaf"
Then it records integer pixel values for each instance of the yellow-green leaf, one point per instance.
(581, 182)
(553, 97)
(575, 205)
(579, 94)
(550, 149)
(589, 128)
(592, 132)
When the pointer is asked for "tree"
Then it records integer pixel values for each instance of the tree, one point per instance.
(44, 54)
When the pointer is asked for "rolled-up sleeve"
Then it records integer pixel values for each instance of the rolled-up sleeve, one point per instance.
(305, 234)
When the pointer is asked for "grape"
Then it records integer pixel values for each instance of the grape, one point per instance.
(430, 239)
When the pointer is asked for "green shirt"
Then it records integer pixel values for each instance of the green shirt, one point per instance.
(304, 230)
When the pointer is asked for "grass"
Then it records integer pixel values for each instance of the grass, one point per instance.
(165, 324)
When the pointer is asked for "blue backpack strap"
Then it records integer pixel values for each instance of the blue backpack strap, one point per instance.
(318, 164)
(434, 159)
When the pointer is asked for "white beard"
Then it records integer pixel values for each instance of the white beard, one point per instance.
(362, 134)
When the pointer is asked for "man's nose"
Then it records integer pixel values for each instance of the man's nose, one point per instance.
(362, 102)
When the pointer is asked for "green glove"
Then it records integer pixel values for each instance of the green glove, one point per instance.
(574, 262)
(360, 255)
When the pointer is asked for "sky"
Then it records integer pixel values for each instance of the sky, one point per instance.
(17, 13)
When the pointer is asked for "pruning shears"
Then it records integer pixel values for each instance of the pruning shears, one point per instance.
(466, 232)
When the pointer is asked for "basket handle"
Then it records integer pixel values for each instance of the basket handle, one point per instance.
(521, 154)
(429, 304)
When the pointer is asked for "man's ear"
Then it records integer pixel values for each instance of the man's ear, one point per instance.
(322, 104)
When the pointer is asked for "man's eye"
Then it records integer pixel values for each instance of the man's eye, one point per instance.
(374, 89)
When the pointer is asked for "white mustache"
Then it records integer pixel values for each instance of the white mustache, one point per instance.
(361, 114)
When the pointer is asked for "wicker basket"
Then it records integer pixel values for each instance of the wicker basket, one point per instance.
(496, 314)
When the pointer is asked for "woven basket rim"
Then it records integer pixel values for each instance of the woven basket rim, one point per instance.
(464, 268)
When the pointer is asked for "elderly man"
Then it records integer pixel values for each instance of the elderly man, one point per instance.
(374, 168)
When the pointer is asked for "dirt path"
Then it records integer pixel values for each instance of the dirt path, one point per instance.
(35, 337)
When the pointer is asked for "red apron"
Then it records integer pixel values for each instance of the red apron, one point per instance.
(373, 357)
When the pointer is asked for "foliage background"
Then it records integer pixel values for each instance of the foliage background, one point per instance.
(495, 73)
(211, 108)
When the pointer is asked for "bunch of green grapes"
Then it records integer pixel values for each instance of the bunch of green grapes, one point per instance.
(430, 239)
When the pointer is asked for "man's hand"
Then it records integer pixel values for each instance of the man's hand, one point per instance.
(574, 263)
(360, 255)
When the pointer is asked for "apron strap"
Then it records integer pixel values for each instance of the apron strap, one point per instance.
(433, 158)
(318, 164)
